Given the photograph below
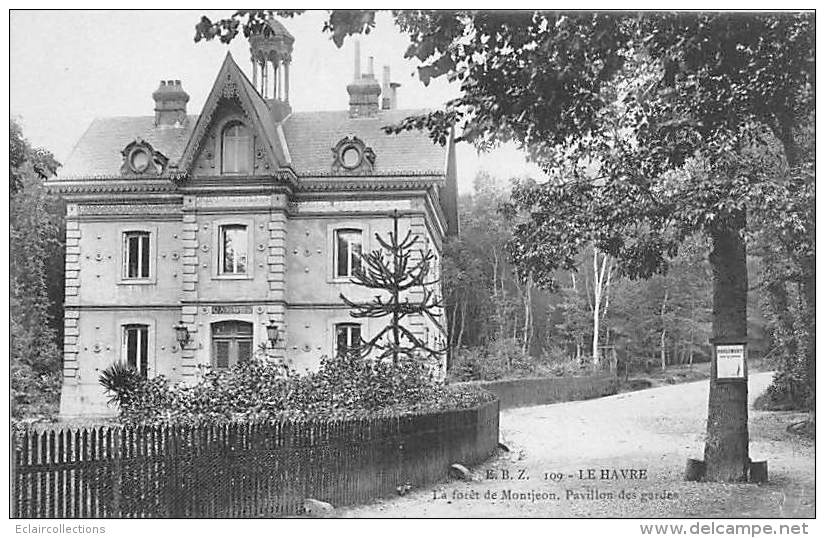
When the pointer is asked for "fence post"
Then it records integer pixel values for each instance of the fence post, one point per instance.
(13, 473)
(117, 470)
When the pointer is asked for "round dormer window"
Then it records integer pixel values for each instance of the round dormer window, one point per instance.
(139, 160)
(350, 157)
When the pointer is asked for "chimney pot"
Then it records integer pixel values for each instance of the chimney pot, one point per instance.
(170, 103)
(357, 56)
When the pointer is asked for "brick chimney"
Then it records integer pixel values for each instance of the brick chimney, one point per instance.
(364, 90)
(389, 97)
(170, 104)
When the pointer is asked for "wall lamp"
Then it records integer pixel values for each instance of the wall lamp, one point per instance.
(181, 334)
(272, 333)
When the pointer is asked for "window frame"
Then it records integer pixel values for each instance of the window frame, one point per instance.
(143, 254)
(250, 161)
(336, 254)
(348, 325)
(123, 254)
(217, 249)
(151, 355)
(331, 269)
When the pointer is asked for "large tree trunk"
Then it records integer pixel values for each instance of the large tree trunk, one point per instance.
(726, 445)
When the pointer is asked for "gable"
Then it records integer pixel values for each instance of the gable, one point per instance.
(232, 97)
(207, 162)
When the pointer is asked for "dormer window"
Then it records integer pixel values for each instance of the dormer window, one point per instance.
(236, 149)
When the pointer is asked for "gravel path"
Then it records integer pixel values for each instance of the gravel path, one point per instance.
(554, 447)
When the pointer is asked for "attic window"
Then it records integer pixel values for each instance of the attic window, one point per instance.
(236, 150)
(139, 160)
(350, 157)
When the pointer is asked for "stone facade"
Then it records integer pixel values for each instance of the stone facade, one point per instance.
(289, 200)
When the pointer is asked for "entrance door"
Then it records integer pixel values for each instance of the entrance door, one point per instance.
(231, 343)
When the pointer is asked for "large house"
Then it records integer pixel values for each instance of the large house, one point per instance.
(199, 240)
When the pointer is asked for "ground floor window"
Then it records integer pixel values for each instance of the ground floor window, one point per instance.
(136, 347)
(347, 338)
(231, 343)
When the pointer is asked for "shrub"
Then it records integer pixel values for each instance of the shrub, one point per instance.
(505, 359)
(119, 380)
(787, 391)
(344, 386)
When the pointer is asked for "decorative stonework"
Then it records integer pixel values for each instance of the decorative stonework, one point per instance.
(230, 89)
(141, 159)
(129, 209)
(395, 184)
(352, 156)
(276, 277)
(224, 202)
(71, 366)
(105, 185)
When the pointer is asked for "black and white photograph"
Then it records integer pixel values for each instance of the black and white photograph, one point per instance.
(452, 264)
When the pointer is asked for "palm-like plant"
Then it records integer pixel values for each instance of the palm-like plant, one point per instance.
(119, 380)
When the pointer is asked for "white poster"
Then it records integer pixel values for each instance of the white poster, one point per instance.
(730, 361)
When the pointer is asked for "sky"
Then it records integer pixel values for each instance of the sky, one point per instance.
(70, 67)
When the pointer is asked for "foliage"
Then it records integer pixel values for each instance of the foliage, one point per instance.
(343, 386)
(341, 23)
(120, 381)
(500, 359)
(35, 258)
(783, 239)
(484, 299)
(393, 271)
(666, 318)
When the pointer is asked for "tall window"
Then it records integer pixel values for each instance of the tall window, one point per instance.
(347, 338)
(347, 252)
(136, 347)
(136, 255)
(236, 151)
(232, 253)
(231, 343)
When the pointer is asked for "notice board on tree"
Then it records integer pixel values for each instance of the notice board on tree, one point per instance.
(730, 361)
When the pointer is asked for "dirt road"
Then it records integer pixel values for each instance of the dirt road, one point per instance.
(620, 456)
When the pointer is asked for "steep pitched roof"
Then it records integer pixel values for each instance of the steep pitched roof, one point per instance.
(304, 140)
(231, 81)
(97, 153)
(312, 135)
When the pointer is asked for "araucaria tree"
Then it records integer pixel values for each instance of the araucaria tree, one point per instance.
(401, 275)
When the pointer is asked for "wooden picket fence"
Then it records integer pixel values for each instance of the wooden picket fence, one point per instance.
(239, 469)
